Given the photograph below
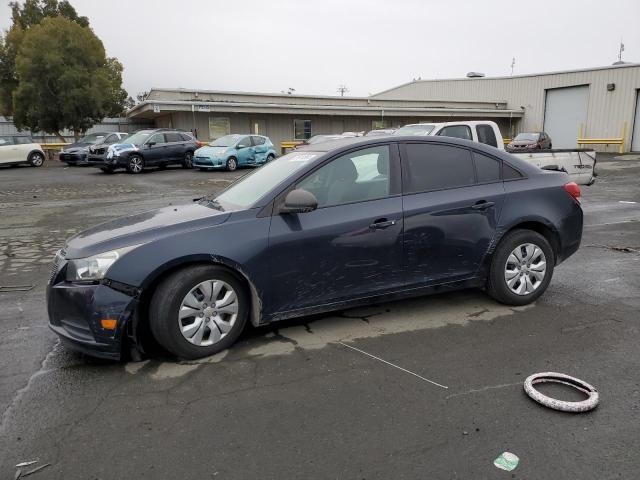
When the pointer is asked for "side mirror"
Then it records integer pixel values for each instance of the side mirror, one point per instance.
(150, 144)
(299, 201)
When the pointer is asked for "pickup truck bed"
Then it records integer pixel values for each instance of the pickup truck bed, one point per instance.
(578, 163)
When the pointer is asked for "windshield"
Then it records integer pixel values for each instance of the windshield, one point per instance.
(528, 136)
(226, 141)
(251, 188)
(422, 129)
(92, 139)
(137, 138)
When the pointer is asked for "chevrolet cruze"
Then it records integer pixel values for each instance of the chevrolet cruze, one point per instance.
(329, 226)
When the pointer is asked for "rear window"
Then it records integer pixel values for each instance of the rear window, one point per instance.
(258, 140)
(436, 167)
(173, 137)
(509, 173)
(185, 137)
(487, 168)
(486, 135)
(456, 131)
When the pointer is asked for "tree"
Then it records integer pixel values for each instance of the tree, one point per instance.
(64, 79)
(24, 16)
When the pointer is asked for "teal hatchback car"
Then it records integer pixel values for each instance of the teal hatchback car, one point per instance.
(233, 151)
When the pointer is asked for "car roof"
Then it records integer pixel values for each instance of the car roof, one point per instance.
(345, 144)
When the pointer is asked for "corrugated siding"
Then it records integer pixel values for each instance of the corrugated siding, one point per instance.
(607, 111)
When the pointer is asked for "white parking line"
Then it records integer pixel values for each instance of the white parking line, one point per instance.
(393, 365)
(625, 201)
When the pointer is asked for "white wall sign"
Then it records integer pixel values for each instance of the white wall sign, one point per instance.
(156, 109)
(204, 108)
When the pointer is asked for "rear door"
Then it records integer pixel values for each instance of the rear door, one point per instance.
(351, 245)
(175, 146)
(259, 148)
(452, 202)
(8, 150)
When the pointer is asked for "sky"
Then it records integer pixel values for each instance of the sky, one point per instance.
(314, 46)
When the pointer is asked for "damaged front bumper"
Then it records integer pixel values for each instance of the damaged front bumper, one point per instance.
(76, 311)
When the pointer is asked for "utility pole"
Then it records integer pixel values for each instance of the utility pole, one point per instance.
(513, 64)
(342, 89)
(620, 51)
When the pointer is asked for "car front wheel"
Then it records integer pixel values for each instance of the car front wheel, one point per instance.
(136, 164)
(198, 311)
(521, 268)
(232, 164)
(36, 159)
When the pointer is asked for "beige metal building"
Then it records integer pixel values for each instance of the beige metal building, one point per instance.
(602, 103)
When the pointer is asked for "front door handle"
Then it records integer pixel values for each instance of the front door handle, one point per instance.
(382, 223)
(482, 205)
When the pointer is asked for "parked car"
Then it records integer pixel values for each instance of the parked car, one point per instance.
(319, 138)
(20, 149)
(526, 142)
(233, 151)
(310, 232)
(381, 132)
(78, 153)
(148, 148)
(578, 163)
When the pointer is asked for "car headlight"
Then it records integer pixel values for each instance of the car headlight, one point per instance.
(95, 267)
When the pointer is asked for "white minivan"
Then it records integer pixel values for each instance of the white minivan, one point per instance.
(20, 149)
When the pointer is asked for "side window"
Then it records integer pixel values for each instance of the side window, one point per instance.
(157, 138)
(186, 137)
(23, 140)
(173, 137)
(301, 129)
(110, 139)
(258, 140)
(509, 173)
(456, 131)
(355, 177)
(244, 142)
(486, 135)
(6, 141)
(487, 168)
(435, 167)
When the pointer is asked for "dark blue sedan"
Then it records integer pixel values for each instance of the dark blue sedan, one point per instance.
(329, 226)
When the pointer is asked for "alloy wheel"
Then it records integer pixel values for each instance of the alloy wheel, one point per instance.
(135, 164)
(37, 160)
(208, 312)
(525, 269)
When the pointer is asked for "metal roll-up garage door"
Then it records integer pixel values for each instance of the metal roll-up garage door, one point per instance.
(565, 109)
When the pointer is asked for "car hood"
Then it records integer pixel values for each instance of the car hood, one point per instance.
(209, 151)
(142, 228)
(76, 147)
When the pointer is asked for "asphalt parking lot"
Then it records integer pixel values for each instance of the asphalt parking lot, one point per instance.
(293, 400)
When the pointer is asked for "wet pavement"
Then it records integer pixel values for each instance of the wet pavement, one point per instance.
(293, 400)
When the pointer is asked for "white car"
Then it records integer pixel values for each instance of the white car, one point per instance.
(20, 149)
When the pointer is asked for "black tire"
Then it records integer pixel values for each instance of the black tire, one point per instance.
(108, 170)
(232, 164)
(270, 157)
(36, 159)
(203, 169)
(187, 162)
(135, 164)
(166, 302)
(497, 284)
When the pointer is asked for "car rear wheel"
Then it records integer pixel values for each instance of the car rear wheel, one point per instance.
(107, 169)
(521, 268)
(136, 164)
(198, 311)
(232, 164)
(187, 162)
(36, 159)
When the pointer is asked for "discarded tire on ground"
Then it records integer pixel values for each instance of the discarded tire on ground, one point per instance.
(552, 377)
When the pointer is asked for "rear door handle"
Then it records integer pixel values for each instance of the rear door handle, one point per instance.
(482, 205)
(382, 223)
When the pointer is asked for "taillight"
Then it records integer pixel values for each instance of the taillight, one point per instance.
(200, 143)
(573, 189)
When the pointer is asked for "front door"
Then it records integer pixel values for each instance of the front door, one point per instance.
(245, 151)
(351, 245)
(157, 150)
(8, 151)
(450, 212)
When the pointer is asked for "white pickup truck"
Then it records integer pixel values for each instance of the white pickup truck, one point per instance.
(579, 163)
